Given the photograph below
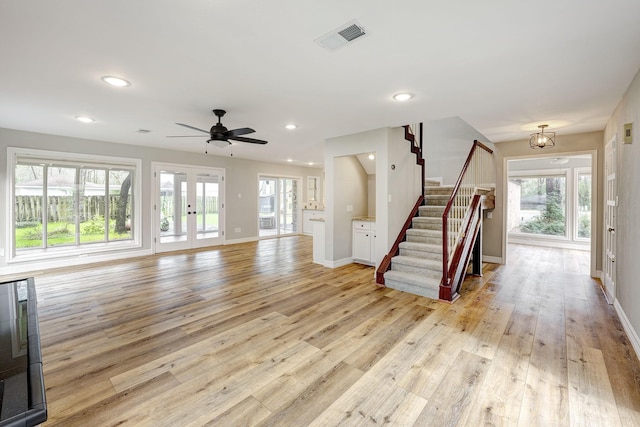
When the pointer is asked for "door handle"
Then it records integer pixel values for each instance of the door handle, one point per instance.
(610, 229)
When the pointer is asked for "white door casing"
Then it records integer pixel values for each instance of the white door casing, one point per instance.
(611, 197)
(188, 207)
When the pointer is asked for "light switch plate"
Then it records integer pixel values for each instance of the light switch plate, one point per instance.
(628, 132)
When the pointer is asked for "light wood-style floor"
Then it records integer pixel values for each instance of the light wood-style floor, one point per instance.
(255, 334)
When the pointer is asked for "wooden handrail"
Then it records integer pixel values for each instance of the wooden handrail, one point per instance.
(416, 148)
(456, 187)
(446, 276)
(385, 264)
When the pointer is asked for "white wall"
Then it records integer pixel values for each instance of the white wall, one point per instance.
(395, 190)
(404, 184)
(627, 227)
(241, 177)
(338, 247)
(371, 192)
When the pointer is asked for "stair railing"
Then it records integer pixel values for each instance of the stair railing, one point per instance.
(410, 132)
(478, 172)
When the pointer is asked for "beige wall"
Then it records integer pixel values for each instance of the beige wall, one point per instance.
(582, 143)
(628, 226)
(350, 199)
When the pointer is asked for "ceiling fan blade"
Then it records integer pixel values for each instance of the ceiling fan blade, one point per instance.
(191, 127)
(185, 136)
(251, 140)
(241, 131)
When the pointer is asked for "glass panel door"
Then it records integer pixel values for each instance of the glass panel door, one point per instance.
(172, 209)
(288, 222)
(208, 208)
(267, 194)
(277, 206)
(188, 208)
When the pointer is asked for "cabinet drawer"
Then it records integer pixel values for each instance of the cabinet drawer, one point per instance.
(361, 225)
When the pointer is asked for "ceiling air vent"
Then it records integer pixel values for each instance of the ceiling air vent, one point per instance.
(341, 36)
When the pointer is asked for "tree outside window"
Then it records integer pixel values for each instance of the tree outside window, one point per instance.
(542, 208)
(70, 204)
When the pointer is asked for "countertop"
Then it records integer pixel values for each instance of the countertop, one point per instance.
(364, 218)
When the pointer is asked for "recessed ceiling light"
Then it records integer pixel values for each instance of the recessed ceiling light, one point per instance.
(289, 160)
(404, 96)
(372, 156)
(310, 163)
(84, 119)
(291, 126)
(115, 81)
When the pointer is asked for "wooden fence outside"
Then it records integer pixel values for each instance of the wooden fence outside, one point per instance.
(61, 208)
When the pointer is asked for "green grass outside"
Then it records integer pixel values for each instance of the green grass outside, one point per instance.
(62, 233)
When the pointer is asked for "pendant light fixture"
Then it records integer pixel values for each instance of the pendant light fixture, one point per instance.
(541, 139)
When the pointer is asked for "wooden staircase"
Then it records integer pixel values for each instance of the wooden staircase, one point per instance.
(417, 268)
(443, 231)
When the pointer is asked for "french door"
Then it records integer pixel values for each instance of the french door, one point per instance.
(188, 208)
(278, 206)
(610, 195)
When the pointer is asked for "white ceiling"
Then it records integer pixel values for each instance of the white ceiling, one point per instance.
(503, 66)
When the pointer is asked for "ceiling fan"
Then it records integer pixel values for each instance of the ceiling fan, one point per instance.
(220, 135)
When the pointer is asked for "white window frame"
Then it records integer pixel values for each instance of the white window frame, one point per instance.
(577, 172)
(76, 160)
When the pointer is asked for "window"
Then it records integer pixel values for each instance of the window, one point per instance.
(550, 205)
(539, 204)
(64, 202)
(583, 204)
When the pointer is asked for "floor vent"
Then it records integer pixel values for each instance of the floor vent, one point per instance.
(341, 36)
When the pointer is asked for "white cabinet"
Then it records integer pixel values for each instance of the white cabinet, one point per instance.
(364, 234)
(307, 224)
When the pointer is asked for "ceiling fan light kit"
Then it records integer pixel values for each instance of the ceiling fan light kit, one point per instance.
(219, 135)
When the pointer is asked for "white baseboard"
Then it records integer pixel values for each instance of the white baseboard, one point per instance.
(338, 263)
(628, 328)
(492, 259)
(243, 240)
(549, 242)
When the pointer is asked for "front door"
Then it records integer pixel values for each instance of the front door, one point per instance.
(610, 221)
(189, 208)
